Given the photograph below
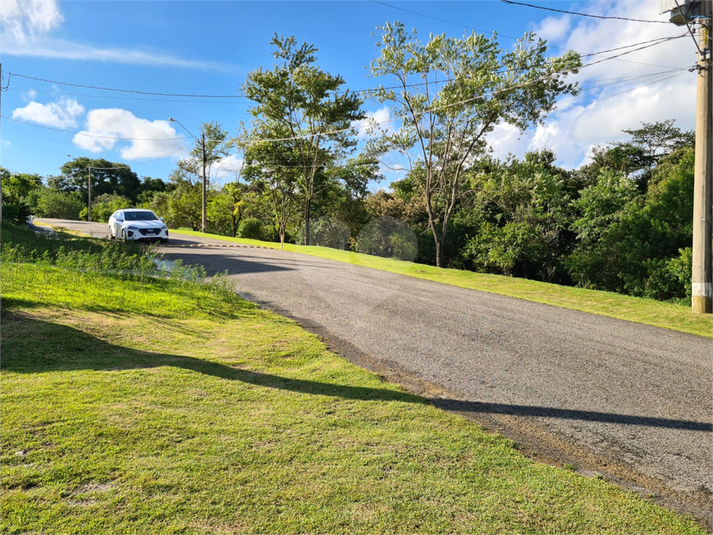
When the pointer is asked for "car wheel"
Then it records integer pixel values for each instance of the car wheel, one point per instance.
(164, 240)
(123, 235)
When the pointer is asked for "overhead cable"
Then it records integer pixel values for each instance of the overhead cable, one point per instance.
(650, 43)
(293, 138)
(590, 15)
(125, 90)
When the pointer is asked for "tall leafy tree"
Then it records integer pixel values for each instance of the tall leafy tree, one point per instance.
(309, 121)
(107, 177)
(272, 169)
(450, 93)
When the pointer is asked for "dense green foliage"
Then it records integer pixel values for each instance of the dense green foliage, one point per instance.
(310, 156)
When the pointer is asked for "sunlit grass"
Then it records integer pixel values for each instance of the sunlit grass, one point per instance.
(142, 405)
(648, 311)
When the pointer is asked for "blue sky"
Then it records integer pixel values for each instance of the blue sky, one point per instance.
(209, 47)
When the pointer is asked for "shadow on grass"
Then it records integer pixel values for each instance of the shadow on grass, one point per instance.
(33, 346)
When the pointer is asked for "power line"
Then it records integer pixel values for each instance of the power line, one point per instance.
(502, 35)
(344, 129)
(602, 17)
(86, 95)
(123, 90)
(650, 43)
(492, 93)
(93, 135)
(555, 112)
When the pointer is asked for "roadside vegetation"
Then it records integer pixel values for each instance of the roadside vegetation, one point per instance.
(141, 401)
(311, 155)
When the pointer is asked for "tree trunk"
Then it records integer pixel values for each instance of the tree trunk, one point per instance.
(439, 252)
(308, 206)
(236, 222)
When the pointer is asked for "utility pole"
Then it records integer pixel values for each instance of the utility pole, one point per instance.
(89, 194)
(0, 138)
(204, 178)
(203, 201)
(702, 276)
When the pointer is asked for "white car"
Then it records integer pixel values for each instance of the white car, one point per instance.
(137, 224)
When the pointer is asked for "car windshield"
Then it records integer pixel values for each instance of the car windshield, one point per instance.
(143, 215)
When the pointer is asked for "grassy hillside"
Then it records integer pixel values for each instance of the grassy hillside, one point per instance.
(138, 404)
(659, 314)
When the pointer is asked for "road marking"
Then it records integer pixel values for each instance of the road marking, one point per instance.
(217, 245)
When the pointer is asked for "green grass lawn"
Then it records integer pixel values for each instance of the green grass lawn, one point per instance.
(139, 405)
(659, 314)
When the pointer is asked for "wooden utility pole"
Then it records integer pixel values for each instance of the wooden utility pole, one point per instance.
(89, 194)
(0, 138)
(203, 201)
(702, 279)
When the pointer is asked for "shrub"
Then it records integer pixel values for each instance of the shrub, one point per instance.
(326, 232)
(251, 228)
(59, 204)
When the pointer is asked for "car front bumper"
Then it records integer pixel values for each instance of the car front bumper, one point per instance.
(143, 234)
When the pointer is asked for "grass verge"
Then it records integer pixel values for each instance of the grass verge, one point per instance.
(648, 311)
(132, 404)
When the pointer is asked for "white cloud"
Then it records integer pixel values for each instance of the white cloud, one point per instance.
(612, 98)
(375, 121)
(507, 139)
(139, 138)
(26, 25)
(24, 19)
(227, 169)
(554, 28)
(61, 114)
(61, 49)
(29, 95)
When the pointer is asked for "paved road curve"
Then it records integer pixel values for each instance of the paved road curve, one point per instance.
(630, 401)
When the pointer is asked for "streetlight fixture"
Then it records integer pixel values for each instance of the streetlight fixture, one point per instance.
(203, 197)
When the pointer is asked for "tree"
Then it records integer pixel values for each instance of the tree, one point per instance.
(658, 140)
(637, 244)
(226, 208)
(17, 188)
(212, 146)
(309, 122)
(637, 157)
(525, 214)
(269, 168)
(107, 177)
(105, 205)
(451, 93)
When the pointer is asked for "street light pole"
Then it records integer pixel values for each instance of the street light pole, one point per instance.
(204, 219)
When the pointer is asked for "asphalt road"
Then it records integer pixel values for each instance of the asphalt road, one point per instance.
(628, 401)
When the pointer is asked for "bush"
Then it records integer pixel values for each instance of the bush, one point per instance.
(251, 228)
(107, 204)
(388, 237)
(15, 209)
(326, 232)
(58, 204)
